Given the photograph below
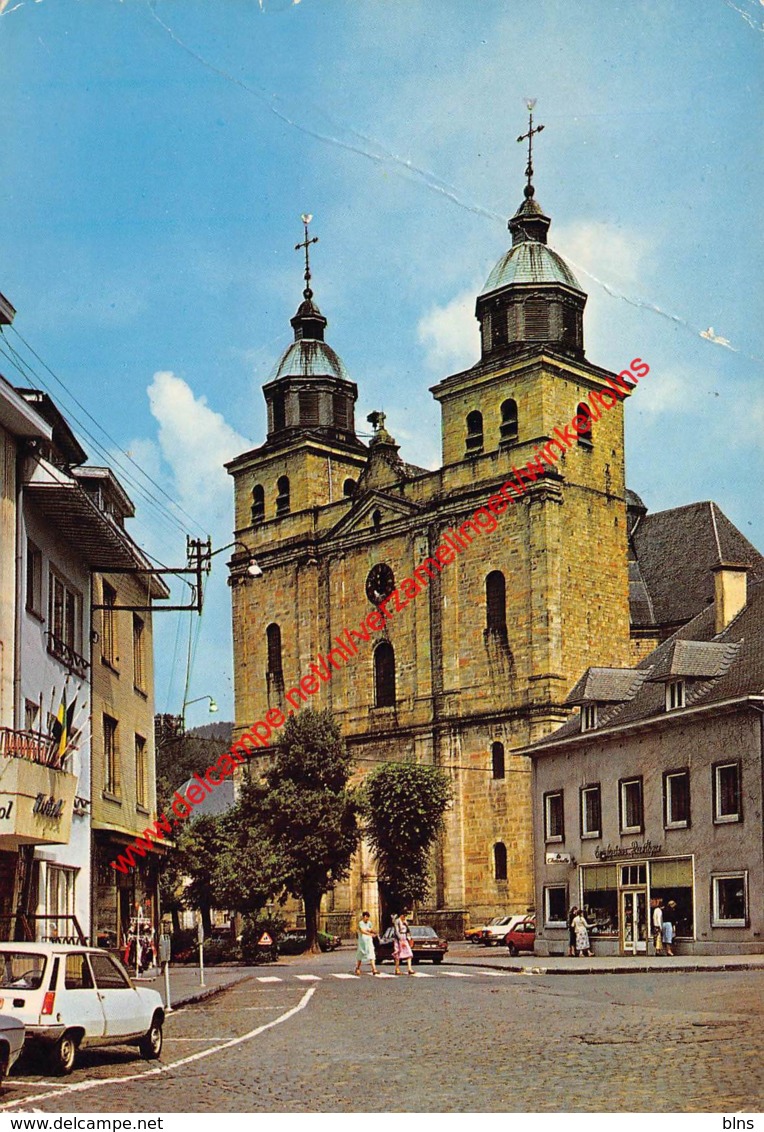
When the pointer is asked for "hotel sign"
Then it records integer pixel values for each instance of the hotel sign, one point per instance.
(630, 852)
(36, 803)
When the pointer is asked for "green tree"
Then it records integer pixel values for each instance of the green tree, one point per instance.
(251, 869)
(200, 845)
(308, 811)
(403, 807)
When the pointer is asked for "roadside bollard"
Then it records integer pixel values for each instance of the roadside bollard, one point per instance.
(200, 938)
(164, 959)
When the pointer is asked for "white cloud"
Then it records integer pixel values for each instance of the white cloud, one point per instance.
(195, 442)
(604, 250)
(450, 334)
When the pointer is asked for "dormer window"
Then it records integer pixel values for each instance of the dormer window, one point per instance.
(675, 695)
(588, 717)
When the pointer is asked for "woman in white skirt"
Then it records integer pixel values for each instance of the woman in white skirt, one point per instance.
(364, 952)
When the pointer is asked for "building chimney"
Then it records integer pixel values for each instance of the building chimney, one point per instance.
(730, 591)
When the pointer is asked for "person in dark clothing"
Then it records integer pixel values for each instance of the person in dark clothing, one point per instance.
(572, 932)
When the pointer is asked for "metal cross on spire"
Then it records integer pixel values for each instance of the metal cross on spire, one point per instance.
(306, 219)
(530, 103)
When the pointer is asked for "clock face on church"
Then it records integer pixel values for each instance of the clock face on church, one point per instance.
(380, 583)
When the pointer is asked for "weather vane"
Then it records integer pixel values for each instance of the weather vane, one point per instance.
(306, 219)
(530, 103)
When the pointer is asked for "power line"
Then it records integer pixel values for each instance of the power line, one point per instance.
(20, 361)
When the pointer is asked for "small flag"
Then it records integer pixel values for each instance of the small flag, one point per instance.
(61, 728)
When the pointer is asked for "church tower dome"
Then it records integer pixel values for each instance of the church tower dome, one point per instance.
(531, 298)
(309, 390)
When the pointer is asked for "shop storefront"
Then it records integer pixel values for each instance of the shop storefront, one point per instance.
(616, 897)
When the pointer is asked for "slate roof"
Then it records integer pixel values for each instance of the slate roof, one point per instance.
(607, 686)
(739, 663)
(672, 557)
(693, 659)
(530, 262)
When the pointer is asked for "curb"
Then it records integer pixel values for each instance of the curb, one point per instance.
(631, 969)
(208, 992)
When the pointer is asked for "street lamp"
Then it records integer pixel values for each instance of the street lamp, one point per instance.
(253, 569)
(187, 703)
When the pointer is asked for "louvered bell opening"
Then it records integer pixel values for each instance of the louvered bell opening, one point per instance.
(536, 313)
(308, 409)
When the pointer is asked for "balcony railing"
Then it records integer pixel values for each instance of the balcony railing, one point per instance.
(68, 657)
(29, 745)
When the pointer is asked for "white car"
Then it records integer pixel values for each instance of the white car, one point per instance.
(495, 933)
(11, 1042)
(69, 996)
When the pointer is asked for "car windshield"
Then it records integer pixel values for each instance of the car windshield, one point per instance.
(421, 932)
(21, 970)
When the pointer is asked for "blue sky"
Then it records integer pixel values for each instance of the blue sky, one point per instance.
(157, 157)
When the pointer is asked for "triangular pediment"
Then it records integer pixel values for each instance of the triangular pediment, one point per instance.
(361, 517)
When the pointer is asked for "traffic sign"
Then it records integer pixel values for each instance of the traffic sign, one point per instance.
(265, 940)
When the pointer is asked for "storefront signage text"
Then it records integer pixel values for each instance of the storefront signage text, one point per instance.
(636, 849)
(48, 807)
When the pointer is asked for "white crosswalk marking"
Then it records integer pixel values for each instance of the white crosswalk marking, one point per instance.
(458, 974)
(309, 978)
(499, 974)
(343, 975)
(423, 975)
(268, 979)
(384, 975)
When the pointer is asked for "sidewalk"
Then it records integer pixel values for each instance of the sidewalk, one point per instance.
(609, 964)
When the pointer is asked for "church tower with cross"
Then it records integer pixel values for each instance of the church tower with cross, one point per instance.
(480, 663)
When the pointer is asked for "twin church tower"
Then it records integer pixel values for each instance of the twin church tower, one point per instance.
(479, 665)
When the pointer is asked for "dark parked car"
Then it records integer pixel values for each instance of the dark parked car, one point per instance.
(425, 943)
(521, 937)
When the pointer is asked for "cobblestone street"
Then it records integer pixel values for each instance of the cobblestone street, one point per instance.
(308, 1036)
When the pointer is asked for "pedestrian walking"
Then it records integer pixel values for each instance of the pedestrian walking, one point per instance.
(667, 932)
(657, 905)
(572, 931)
(402, 943)
(364, 952)
(581, 929)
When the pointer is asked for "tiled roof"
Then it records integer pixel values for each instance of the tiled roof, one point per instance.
(607, 686)
(694, 659)
(741, 670)
(530, 262)
(675, 552)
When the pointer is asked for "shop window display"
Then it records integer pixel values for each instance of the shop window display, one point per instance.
(600, 899)
(672, 880)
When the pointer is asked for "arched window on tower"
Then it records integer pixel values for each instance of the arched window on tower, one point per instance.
(497, 759)
(376, 520)
(586, 437)
(474, 445)
(258, 504)
(496, 603)
(273, 641)
(349, 488)
(500, 861)
(508, 430)
(283, 505)
(384, 675)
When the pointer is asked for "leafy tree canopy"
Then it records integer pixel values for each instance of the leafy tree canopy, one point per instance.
(403, 807)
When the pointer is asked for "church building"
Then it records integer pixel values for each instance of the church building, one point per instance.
(482, 663)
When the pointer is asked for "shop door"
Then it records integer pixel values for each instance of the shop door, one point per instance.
(634, 926)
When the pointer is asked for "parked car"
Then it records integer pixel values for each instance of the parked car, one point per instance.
(475, 935)
(494, 934)
(425, 943)
(521, 937)
(295, 942)
(70, 996)
(11, 1042)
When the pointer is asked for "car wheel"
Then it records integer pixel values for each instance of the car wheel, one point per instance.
(512, 949)
(150, 1044)
(63, 1055)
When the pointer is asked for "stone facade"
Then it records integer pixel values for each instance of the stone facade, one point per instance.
(487, 653)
